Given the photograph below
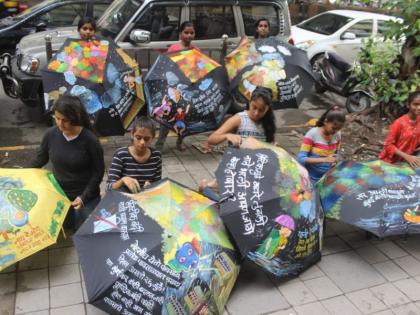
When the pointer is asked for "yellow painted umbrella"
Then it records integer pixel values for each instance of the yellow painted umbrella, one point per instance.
(32, 209)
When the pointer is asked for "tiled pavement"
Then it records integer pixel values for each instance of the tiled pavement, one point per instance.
(355, 276)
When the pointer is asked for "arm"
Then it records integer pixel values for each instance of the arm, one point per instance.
(226, 132)
(305, 150)
(413, 160)
(115, 178)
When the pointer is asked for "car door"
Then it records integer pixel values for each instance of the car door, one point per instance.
(162, 20)
(65, 14)
(211, 22)
(349, 48)
(99, 8)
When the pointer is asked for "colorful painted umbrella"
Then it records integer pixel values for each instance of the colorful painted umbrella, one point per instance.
(161, 251)
(376, 196)
(187, 92)
(106, 79)
(271, 63)
(32, 210)
(271, 211)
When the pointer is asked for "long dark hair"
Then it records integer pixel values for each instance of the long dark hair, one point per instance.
(73, 109)
(269, 120)
(333, 114)
(144, 122)
(258, 23)
(84, 20)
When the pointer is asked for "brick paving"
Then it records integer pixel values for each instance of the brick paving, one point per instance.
(355, 276)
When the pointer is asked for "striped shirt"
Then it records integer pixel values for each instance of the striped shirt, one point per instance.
(315, 146)
(248, 128)
(124, 164)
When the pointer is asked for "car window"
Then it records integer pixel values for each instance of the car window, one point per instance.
(362, 28)
(99, 9)
(383, 26)
(161, 21)
(213, 21)
(65, 15)
(327, 23)
(251, 14)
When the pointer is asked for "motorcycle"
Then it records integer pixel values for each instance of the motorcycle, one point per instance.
(334, 75)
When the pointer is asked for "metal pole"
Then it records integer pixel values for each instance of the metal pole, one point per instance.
(48, 46)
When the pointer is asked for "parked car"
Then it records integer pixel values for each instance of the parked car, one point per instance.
(46, 15)
(129, 23)
(338, 31)
(11, 7)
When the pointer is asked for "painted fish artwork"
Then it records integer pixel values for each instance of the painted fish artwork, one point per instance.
(161, 251)
(271, 63)
(272, 210)
(187, 92)
(107, 80)
(32, 210)
(376, 196)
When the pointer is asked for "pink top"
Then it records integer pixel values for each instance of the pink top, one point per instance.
(178, 47)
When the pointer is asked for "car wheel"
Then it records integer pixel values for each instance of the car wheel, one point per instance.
(315, 61)
(357, 102)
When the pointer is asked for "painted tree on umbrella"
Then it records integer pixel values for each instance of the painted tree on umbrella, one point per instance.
(187, 92)
(106, 79)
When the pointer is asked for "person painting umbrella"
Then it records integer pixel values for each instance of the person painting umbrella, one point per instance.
(277, 239)
(403, 138)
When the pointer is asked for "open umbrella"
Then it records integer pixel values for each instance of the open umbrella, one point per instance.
(376, 196)
(32, 210)
(106, 79)
(161, 251)
(187, 91)
(271, 210)
(271, 63)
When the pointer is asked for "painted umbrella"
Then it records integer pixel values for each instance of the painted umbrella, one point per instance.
(187, 92)
(271, 208)
(32, 210)
(376, 196)
(271, 63)
(107, 80)
(161, 251)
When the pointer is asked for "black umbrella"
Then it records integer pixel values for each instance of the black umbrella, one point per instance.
(187, 91)
(271, 210)
(106, 79)
(171, 254)
(271, 63)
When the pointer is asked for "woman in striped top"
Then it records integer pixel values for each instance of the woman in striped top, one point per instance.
(320, 146)
(137, 165)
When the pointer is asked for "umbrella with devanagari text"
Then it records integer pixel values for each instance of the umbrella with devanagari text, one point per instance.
(271, 208)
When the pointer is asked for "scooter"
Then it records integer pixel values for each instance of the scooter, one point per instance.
(334, 75)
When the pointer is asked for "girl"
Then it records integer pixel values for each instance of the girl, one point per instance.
(186, 36)
(262, 28)
(403, 137)
(86, 28)
(137, 165)
(320, 146)
(76, 155)
(256, 121)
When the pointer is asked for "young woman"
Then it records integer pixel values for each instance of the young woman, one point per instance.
(76, 155)
(256, 121)
(403, 137)
(262, 28)
(186, 36)
(86, 28)
(319, 150)
(137, 165)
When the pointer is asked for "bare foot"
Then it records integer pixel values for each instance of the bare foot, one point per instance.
(202, 185)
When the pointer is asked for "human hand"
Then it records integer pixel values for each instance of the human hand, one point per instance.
(234, 139)
(330, 159)
(414, 161)
(131, 183)
(146, 183)
(77, 203)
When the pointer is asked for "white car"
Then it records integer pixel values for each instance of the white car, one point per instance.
(339, 31)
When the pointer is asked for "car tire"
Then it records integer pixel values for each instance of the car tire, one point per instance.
(357, 102)
(319, 87)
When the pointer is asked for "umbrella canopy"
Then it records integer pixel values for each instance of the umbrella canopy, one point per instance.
(32, 210)
(271, 63)
(376, 196)
(271, 210)
(187, 92)
(162, 251)
(106, 79)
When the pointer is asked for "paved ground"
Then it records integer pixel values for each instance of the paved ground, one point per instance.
(355, 275)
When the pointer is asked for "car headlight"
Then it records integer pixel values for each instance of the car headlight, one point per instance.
(29, 64)
(305, 45)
